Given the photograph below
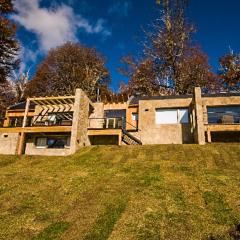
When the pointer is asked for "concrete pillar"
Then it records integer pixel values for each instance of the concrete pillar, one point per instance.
(199, 131)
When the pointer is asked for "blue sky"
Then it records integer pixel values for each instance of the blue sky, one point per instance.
(114, 27)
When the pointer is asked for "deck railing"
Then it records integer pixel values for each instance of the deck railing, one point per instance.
(106, 123)
(53, 119)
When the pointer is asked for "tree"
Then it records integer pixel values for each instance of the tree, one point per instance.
(7, 96)
(142, 78)
(230, 71)
(195, 71)
(20, 82)
(8, 45)
(168, 43)
(68, 67)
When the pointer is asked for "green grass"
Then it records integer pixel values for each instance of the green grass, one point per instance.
(129, 192)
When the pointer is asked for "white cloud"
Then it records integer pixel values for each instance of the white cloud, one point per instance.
(53, 26)
(121, 8)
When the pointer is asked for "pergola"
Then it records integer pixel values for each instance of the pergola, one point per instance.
(61, 106)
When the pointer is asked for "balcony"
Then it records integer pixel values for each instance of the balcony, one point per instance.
(106, 123)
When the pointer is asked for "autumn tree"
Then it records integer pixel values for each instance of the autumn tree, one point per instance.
(68, 67)
(194, 71)
(142, 78)
(230, 71)
(8, 45)
(7, 96)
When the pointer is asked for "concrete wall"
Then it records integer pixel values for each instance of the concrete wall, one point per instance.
(31, 149)
(104, 140)
(152, 133)
(131, 124)
(8, 143)
(96, 117)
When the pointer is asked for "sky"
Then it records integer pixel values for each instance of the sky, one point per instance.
(115, 28)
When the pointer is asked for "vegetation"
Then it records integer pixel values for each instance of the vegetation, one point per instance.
(68, 67)
(8, 44)
(172, 63)
(134, 192)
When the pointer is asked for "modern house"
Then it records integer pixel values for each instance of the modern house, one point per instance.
(61, 125)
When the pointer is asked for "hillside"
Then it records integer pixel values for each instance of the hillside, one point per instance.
(109, 192)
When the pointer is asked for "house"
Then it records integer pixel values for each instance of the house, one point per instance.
(61, 125)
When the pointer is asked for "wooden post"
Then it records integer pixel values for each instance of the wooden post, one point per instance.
(22, 136)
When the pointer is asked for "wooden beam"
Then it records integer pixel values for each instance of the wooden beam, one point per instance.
(37, 129)
(222, 127)
(52, 98)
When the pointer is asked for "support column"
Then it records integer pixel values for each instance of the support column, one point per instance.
(76, 113)
(79, 133)
(199, 134)
(21, 144)
(209, 137)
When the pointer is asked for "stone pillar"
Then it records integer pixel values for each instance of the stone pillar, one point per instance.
(81, 108)
(199, 131)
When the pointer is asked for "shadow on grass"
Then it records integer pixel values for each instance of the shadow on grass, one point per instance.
(53, 231)
(105, 223)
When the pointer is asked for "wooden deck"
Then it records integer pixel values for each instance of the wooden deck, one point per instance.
(209, 128)
(36, 129)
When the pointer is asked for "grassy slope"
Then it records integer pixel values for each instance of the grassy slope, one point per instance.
(137, 192)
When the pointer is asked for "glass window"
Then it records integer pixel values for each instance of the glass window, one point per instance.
(172, 116)
(68, 141)
(56, 142)
(41, 142)
(183, 116)
(166, 116)
(134, 116)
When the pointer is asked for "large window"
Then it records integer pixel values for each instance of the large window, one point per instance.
(224, 115)
(53, 142)
(172, 116)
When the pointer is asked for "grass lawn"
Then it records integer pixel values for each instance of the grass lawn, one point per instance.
(129, 192)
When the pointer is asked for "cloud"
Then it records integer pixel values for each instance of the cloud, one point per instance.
(121, 8)
(54, 26)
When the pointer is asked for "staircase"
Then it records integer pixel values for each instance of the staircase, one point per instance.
(129, 139)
